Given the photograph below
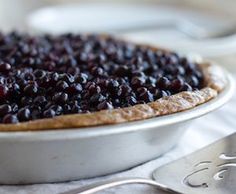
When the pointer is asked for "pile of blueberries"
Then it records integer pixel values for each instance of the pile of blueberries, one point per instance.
(46, 76)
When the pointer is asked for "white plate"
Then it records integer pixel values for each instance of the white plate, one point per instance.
(111, 18)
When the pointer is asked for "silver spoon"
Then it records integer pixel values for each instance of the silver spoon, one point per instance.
(190, 29)
(211, 170)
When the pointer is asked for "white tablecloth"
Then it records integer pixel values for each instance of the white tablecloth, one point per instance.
(202, 132)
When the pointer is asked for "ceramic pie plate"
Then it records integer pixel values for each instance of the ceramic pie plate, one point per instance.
(72, 154)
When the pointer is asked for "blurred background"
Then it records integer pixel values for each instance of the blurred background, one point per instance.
(202, 27)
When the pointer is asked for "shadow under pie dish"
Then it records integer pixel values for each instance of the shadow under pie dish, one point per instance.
(75, 81)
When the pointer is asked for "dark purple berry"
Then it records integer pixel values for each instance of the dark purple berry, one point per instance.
(61, 86)
(14, 107)
(39, 73)
(96, 98)
(5, 67)
(122, 71)
(35, 114)
(24, 114)
(93, 89)
(58, 109)
(146, 96)
(193, 81)
(26, 101)
(112, 84)
(82, 78)
(3, 92)
(163, 83)
(10, 119)
(60, 98)
(49, 113)
(177, 85)
(40, 100)
(31, 89)
(97, 71)
(131, 100)
(68, 78)
(137, 82)
(67, 108)
(76, 109)
(74, 88)
(104, 105)
(5, 109)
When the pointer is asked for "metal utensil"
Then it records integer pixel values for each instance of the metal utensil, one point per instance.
(100, 186)
(210, 170)
(190, 29)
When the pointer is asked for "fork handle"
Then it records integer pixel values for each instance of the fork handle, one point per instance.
(100, 186)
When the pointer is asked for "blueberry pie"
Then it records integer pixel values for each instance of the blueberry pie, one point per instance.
(73, 81)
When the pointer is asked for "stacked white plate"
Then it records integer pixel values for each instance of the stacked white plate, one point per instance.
(122, 19)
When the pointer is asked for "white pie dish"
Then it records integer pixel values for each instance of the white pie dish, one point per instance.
(63, 155)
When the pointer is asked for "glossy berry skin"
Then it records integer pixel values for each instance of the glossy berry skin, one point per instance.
(48, 76)
(3, 92)
(10, 119)
(5, 67)
(5, 109)
(24, 114)
(49, 113)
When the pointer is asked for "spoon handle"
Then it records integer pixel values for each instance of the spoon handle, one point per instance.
(100, 186)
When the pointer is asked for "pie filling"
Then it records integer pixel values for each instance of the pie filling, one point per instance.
(47, 76)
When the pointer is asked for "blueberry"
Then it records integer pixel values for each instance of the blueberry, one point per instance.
(5, 67)
(163, 83)
(5, 109)
(40, 100)
(24, 114)
(97, 71)
(146, 96)
(39, 73)
(131, 100)
(30, 89)
(60, 98)
(49, 113)
(137, 82)
(58, 109)
(76, 109)
(177, 85)
(11, 119)
(61, 86)
(104, 105)
(47, 76)
(74, 88)
(3, 92)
